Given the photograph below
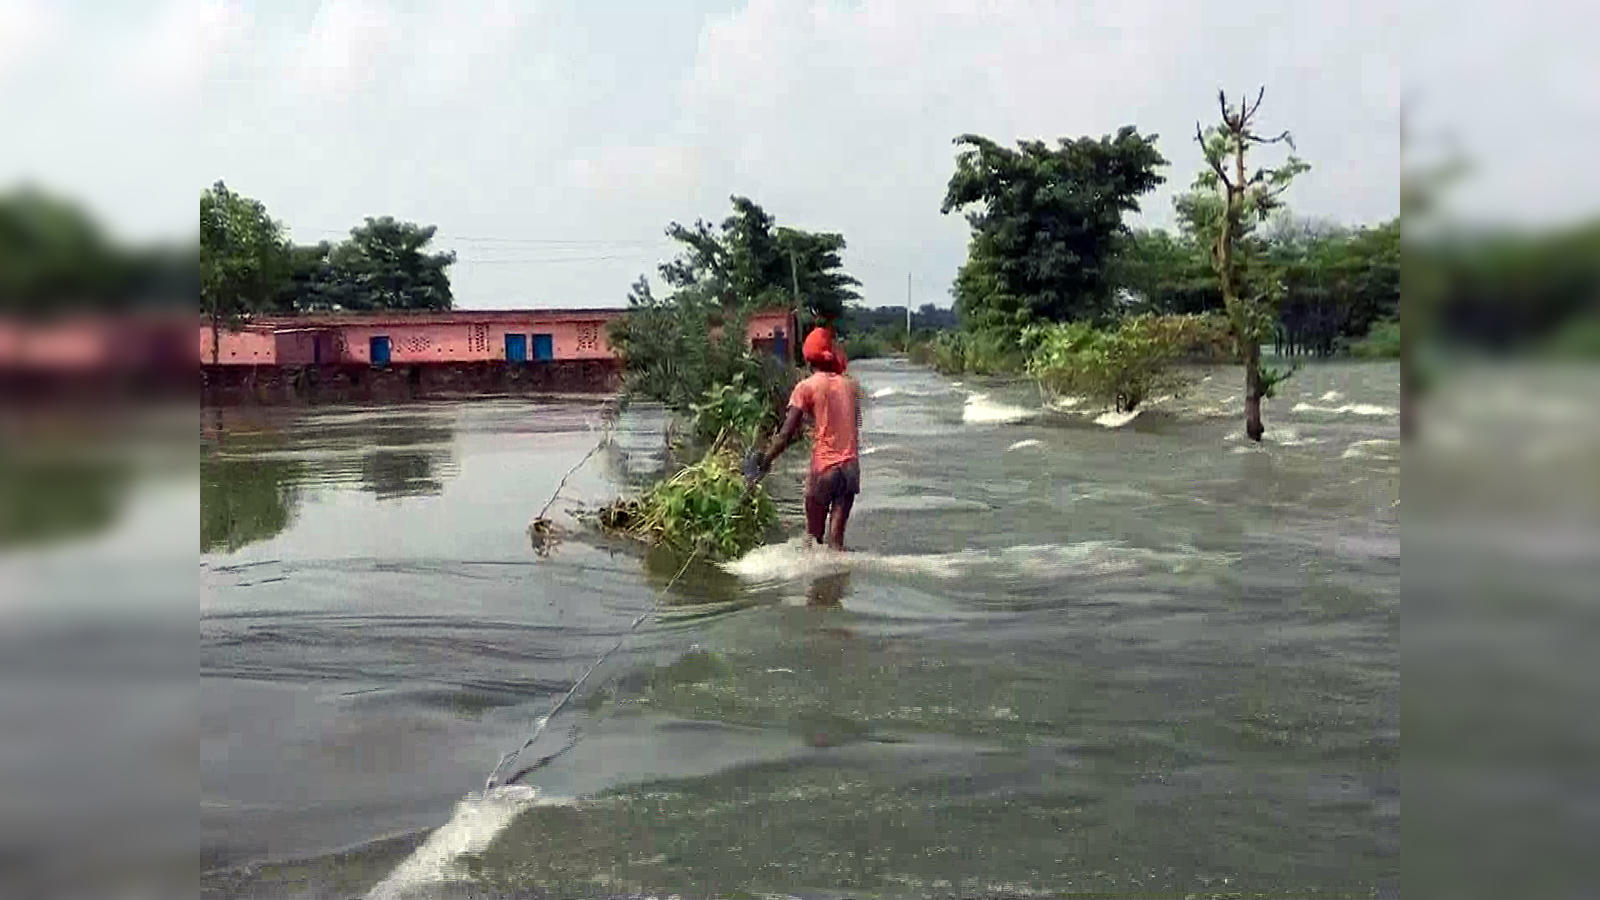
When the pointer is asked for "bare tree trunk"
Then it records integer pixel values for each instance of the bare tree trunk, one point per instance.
(1252, 345)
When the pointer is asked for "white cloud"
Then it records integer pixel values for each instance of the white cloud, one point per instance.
(170, 53)
(347, 40)
(842, 115)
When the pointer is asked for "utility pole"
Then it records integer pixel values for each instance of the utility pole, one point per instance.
(907, 347)
(794, 280)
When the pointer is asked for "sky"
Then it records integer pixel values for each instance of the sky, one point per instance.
(552, 141)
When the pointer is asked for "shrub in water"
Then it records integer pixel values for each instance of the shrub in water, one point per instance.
(975, 352)
(1121, 365)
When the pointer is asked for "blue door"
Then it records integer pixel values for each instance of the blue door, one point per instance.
(544, 347)
(780, 344)
(516, 348)
(378, 347)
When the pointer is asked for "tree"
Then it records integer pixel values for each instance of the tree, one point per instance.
(1162, 272)
(311, 285)
(748, 263)
(244, 259)
(1044, 224)
(384, 265)
(818, 273)
(1336, 282)
(1247, 199)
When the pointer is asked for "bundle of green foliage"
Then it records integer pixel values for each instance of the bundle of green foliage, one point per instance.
(705, 507)
(741, 409)
(1121, 364)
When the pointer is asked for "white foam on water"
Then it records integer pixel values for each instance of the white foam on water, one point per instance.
(1030, 442)
(919, 503)
(980, 410)
(889, 391)
(1365, 449)
(1282, 437)
(1063, 404)
(801, 559)
(1350, 409)
(477, 819)
(886, 448)
(1331, 397)
(1115, 419)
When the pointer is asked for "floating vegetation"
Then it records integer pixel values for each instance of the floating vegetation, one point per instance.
(704, 507)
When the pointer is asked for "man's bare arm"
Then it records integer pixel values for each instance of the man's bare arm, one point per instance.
(785, 436)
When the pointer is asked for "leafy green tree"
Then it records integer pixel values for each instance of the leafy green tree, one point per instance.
(1162, 272)
(244, 259)
(1335, 282)
(1045, 222)
(384, 265)
(1248, 197)
(818, 273)
(750, 263)
(311, 285)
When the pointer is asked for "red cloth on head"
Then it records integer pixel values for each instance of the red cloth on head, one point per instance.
(819, 351)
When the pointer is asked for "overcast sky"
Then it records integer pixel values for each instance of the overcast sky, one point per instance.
(551, 142)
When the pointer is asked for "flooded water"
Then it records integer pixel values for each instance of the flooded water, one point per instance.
(1068, 652)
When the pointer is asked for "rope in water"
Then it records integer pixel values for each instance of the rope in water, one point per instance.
(544, 720)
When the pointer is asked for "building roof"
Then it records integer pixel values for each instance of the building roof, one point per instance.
(448, 317)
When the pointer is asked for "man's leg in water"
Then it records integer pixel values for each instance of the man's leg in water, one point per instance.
(841, 516)
(816, 509)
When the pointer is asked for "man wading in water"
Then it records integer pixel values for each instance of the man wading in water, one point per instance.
(832, 401)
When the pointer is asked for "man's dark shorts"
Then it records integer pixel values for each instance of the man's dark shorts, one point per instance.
(835, 483)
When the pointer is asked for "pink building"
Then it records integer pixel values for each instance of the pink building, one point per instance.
(456, 336)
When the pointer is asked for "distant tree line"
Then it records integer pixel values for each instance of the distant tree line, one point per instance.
(249, 267)
(1334, 283)
(926, 317)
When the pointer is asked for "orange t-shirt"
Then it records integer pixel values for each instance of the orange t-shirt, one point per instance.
(831, 402)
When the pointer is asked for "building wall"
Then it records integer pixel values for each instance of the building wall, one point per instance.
(299, 348)
(248, 347)
(448, 338)
(474, 341)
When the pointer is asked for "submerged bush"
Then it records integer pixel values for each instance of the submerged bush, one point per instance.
(1382, 342)
(705, 507)
(974, 352)
(1123, 364)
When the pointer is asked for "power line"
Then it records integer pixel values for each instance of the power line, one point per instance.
(507, 239)
(541, 261)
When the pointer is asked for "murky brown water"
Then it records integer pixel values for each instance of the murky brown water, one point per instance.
(1146, 660)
